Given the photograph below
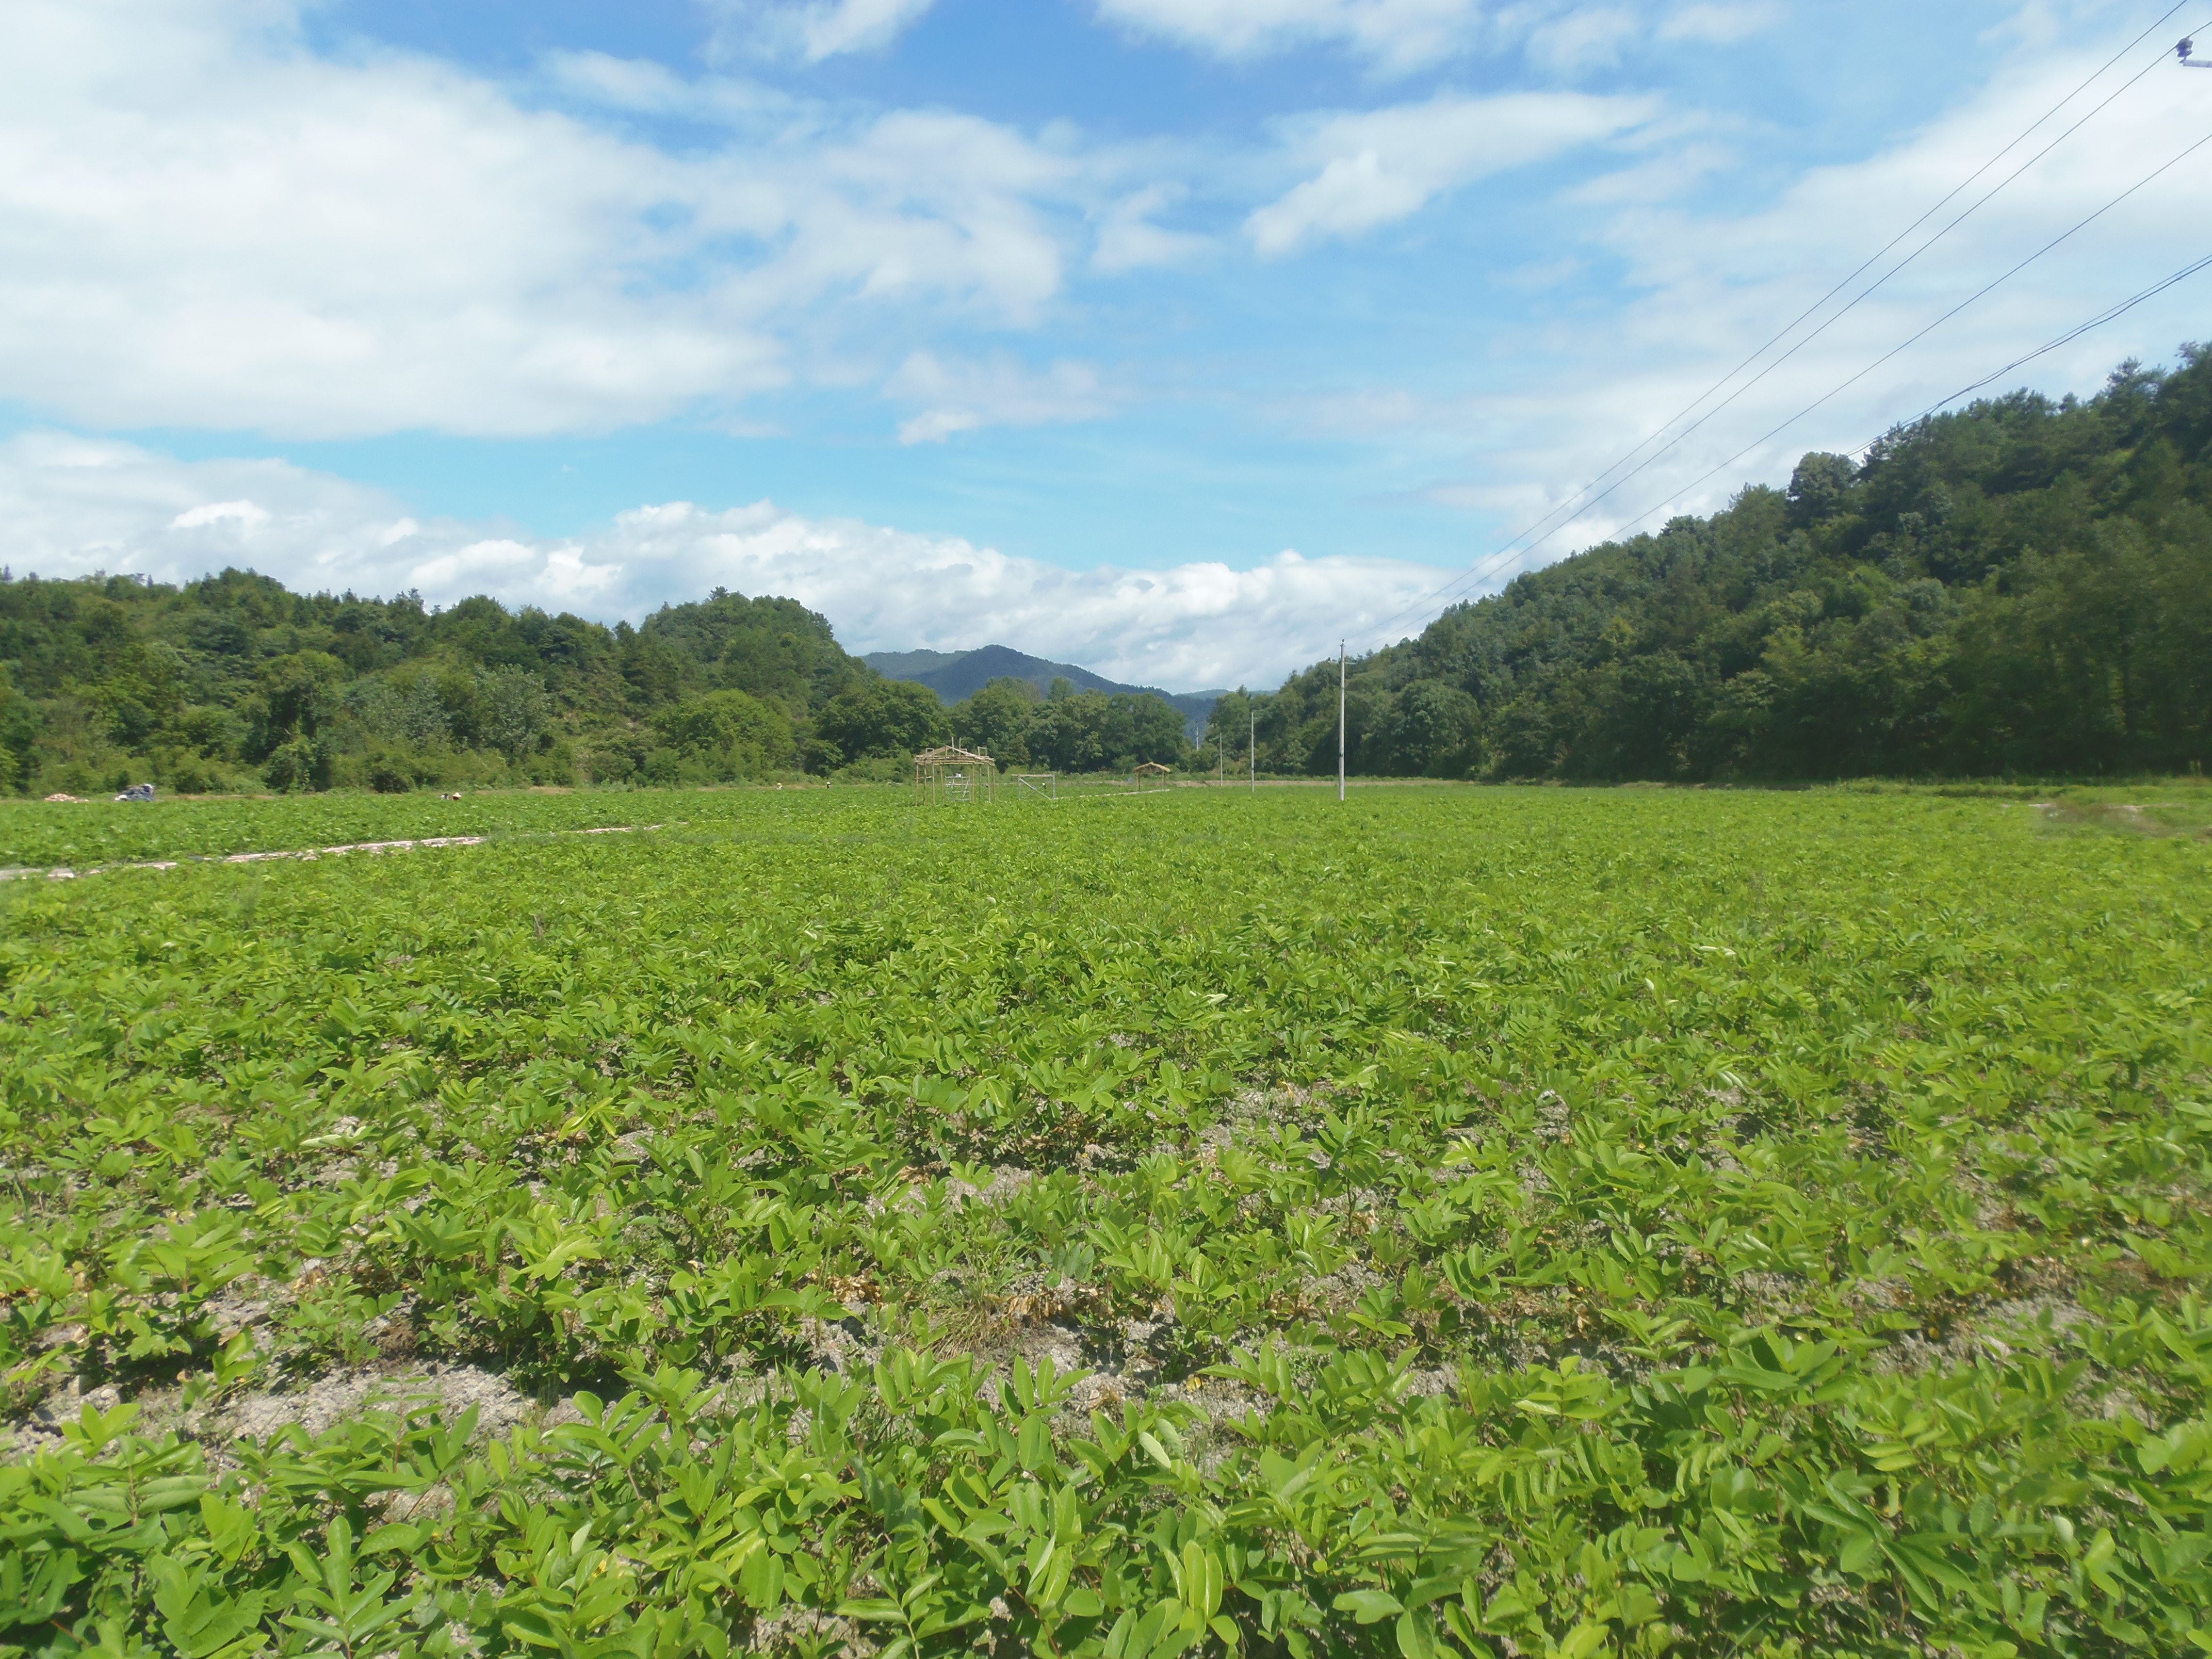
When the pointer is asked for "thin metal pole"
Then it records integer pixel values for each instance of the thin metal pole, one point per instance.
(1340, 719)
(1252, 737)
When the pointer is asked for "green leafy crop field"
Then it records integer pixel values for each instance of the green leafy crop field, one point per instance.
(97, 834)
(1474, 1221)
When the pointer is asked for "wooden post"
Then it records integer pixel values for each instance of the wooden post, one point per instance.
(1340, 719)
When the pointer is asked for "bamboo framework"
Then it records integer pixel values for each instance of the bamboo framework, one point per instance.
(955, 775)
(1145, 773)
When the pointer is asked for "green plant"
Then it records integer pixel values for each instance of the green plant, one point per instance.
(1467, 1222)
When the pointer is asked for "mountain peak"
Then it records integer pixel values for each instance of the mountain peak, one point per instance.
(954, 675)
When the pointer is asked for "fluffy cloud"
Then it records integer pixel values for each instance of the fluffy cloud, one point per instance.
(1583, 39)
(1399, 36)
(1396, 34)
(1191, 626)
(1720, 24)
(204, 223)
(960, 396)
(1379, 166)
(77, 505)
(1129, 240)
(1708, 284)
(815, 29)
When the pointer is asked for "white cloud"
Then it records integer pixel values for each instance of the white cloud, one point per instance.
(1193, 625)
(1670, 167)
(640, 86)
(204, 223)
(1584, 38)
(1129, 240)
(1379, 166)
(246, 513)
(76, 505)
(812, 29)
(1397, 35)
(1720, 24)
(963, 396)
(932, 204)
(1705, 286)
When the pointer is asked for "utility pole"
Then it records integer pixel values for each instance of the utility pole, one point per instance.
(1252, 737)
(1340, 719)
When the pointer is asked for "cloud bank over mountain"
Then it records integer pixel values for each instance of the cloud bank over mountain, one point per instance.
(80, 504)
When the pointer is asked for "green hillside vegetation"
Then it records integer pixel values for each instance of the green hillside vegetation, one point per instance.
(234, 682)
(1067, 730)
(2023, 586)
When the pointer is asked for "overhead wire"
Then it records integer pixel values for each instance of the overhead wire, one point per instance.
(1578, 501)
(1582, 502)
(2109, 315)
(1837, 391)
(1873, 286)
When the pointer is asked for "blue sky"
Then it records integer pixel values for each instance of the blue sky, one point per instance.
(1179, 337)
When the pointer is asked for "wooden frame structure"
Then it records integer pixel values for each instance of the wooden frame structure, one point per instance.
(954, 774)
(1146, 773)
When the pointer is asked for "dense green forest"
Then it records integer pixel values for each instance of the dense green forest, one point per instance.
(2022, 588)
(234, 682)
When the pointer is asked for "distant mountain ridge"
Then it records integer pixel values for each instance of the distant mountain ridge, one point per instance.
(954, 675)
(909, 665)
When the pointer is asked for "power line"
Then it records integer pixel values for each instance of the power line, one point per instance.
(1340, 718)
(1582, 506)
(1864, 293)
(1872, 288)
(1923, 333)
(2109, 315)
(1587, 502)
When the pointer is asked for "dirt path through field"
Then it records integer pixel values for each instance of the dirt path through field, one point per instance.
(66, 873)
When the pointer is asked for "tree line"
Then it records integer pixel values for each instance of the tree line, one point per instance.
(234, 683)
(2023, 587)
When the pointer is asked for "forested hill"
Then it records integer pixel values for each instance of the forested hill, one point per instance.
(235, 682)
(2021, 587)
(956, 676)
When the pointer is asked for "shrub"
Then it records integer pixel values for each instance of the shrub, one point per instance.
(300, 764)
(884, 717)
(195, 777)
(728, 734)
